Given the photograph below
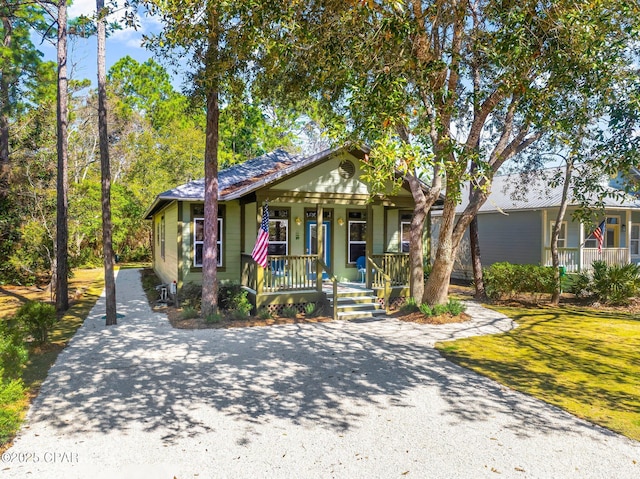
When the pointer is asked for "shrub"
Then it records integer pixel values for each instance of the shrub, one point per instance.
(506, 280)
(453, 307)
(13, 353)
(213, 318)
(614, 285)
(409, 306)
(189, 312)
(289, 312)
(264, 313)
(456, 307)
(239, 305)
(310, 310)
(37, 319)
(227, 294)
(191, 295)
(12, 402)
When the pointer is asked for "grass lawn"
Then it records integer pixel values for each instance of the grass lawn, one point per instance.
(584, 361)
(86, 286)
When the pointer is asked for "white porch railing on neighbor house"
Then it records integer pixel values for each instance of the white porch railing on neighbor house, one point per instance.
(570, 257)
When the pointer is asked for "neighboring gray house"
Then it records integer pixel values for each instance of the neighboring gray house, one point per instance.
(516, 226)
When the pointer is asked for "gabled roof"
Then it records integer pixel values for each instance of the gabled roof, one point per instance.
(507, 195)
(244, 178)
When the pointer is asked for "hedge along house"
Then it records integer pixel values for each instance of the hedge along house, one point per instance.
(516, 226)
(362, 249)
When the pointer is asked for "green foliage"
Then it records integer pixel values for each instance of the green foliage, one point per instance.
(13, 353)
(453, 307)
(264, 313)
(227, 293)
(614, 284)
(409, 306)
(239, 305)
(190, 295)
(310, 310)
(12, 401)
(38, 319)
(506, 280)
(289, 312)
(213, 318)
(189, 312)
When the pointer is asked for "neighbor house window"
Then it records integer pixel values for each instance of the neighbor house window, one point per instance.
(634, 244)
(405, 231)
(357, 241)
(278, 232)
(562, 237)
(198, 237)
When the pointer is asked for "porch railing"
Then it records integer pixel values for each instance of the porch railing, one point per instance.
(392, 268)
(611, 256)
(382, 280)
(287, 274)
(570, 257)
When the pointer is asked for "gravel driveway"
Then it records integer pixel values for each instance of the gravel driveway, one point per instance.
(340, 399)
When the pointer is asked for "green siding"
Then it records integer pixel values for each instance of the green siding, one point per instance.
(167, 268)
(325, 178)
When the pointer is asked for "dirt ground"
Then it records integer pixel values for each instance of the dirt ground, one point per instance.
(12, 297)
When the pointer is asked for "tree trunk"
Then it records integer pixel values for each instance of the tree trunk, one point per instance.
(555, 234)
(209, 250)
(478, 279)
(62, 212)
(416, 250)
(4, 115)
(105, 169)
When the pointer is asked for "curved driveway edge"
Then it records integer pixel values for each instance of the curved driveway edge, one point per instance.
(341, 399)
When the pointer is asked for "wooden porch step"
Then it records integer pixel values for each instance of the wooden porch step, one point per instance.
(366, 299)
(347, 315)
(356, 303)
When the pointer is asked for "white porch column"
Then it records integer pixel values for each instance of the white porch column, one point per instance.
(581, 247)
(627, 240)
(544, 238)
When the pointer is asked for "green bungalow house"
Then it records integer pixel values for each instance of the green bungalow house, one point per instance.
(361, 257)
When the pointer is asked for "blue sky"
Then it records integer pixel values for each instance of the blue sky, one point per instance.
(82, 52)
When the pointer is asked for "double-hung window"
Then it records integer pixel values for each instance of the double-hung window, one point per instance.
(357, 235)
(634, 243)
(198, 237)
(278, 232)
(562, 237)
(405, 231)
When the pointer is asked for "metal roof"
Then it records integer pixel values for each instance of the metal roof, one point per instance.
(244, 178)
(508, 194)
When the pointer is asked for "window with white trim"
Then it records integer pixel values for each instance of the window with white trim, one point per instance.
(357, 239)
(562, 237)
(198, 241)
(162, 236)
(278, 236)
(405, 231)
(634, 243)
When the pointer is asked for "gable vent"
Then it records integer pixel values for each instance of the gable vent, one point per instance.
(347, 169)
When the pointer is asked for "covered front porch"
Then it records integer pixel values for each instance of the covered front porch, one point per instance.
(296, 280)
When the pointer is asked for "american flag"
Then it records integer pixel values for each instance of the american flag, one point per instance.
(598, 234)
(259, 253)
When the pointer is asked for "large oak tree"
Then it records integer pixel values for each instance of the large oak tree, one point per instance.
(436, 86)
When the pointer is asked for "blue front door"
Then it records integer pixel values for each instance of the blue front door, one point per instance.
(312, 244)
